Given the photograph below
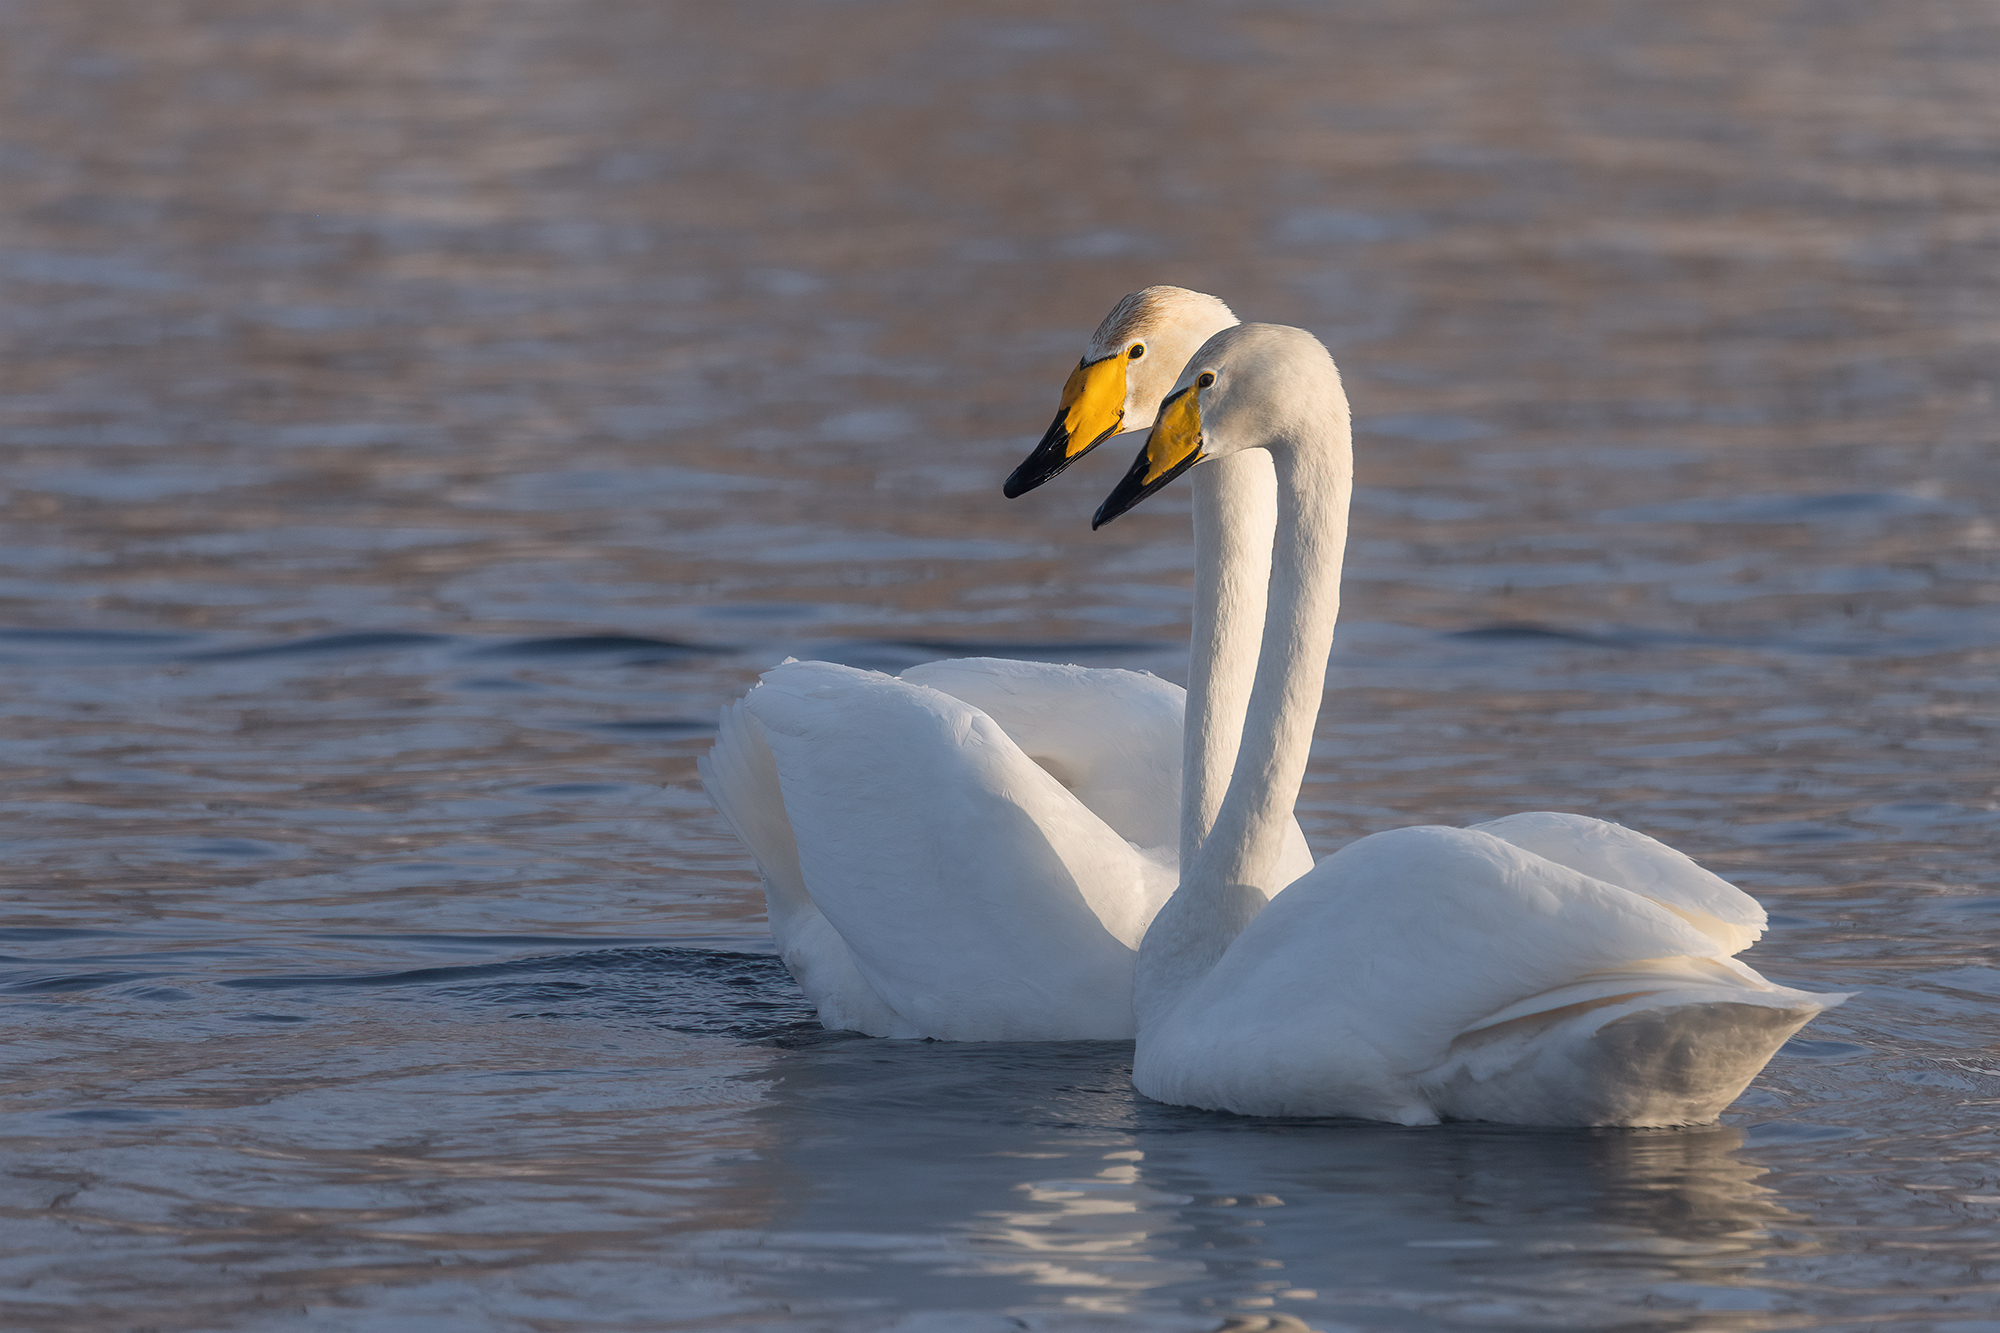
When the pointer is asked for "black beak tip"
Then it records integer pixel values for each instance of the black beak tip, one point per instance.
(1133, 487)
(1130, 489)
(1050, 457)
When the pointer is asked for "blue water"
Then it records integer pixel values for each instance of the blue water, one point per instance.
(418, 421)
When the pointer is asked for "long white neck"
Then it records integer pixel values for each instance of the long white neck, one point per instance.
(1235, 515)
(1225, 884)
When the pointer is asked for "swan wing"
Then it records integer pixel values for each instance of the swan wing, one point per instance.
(1643, 865)
(741, 778)
(979, 898)
(1112, 737)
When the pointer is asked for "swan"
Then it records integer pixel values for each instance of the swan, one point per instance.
(1542, 969)
(972, 850)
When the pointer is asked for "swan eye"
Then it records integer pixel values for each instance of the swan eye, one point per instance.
(1138, 350)
(1206, 378)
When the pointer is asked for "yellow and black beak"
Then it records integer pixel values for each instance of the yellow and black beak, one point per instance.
(1173, 446)
(1093, 405)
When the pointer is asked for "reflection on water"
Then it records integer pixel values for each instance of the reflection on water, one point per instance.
(1047, 1172)
(419, 419)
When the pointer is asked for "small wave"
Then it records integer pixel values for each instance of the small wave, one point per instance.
(359, 641)
(27, 646)
(703, 991)
(666, 726)
(625, 647)
(75, 981)
(1512, 632)
(1425, 427)
(1779, 508)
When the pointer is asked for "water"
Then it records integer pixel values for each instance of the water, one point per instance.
(420, 418)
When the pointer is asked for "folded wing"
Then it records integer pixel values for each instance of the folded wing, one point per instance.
(979, 898)
(1643, 865)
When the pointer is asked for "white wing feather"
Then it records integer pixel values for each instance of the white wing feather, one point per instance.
(980, 899)
(741, 778)
(1618, 855)
(1112, 737)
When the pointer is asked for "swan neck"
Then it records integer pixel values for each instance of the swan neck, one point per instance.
(1246, 842)
(1235, 517)
(1228, 879)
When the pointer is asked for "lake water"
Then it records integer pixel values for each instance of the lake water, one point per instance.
(421, 417)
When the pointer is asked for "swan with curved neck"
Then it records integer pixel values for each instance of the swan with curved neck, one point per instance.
(1538, 969)
(1127, 368)
(972, 850)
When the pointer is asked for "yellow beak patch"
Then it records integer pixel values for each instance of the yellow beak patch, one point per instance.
(1093, 403)
(1172, 448)
(1176, 437)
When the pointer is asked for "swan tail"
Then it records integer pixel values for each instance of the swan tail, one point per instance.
(1676, 1057)
(741, 779)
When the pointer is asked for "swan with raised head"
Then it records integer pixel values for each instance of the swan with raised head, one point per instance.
(973, 849)
(1541, 969)
(1130, 364)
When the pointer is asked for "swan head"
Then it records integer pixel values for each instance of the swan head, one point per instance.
(1126, 370)
(1254, 386)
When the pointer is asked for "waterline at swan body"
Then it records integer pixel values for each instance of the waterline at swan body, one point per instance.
(971, 851)
(1542, 969)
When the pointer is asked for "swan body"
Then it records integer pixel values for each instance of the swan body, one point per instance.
(1542, 969)
(972, 850)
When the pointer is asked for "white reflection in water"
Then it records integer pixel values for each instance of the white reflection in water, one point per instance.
(1088, 1233)
(906, 1160)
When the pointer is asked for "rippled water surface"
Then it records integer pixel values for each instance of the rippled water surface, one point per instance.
(420, 417)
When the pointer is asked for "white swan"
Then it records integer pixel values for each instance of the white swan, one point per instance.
(1541, 969)
(973, 850)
